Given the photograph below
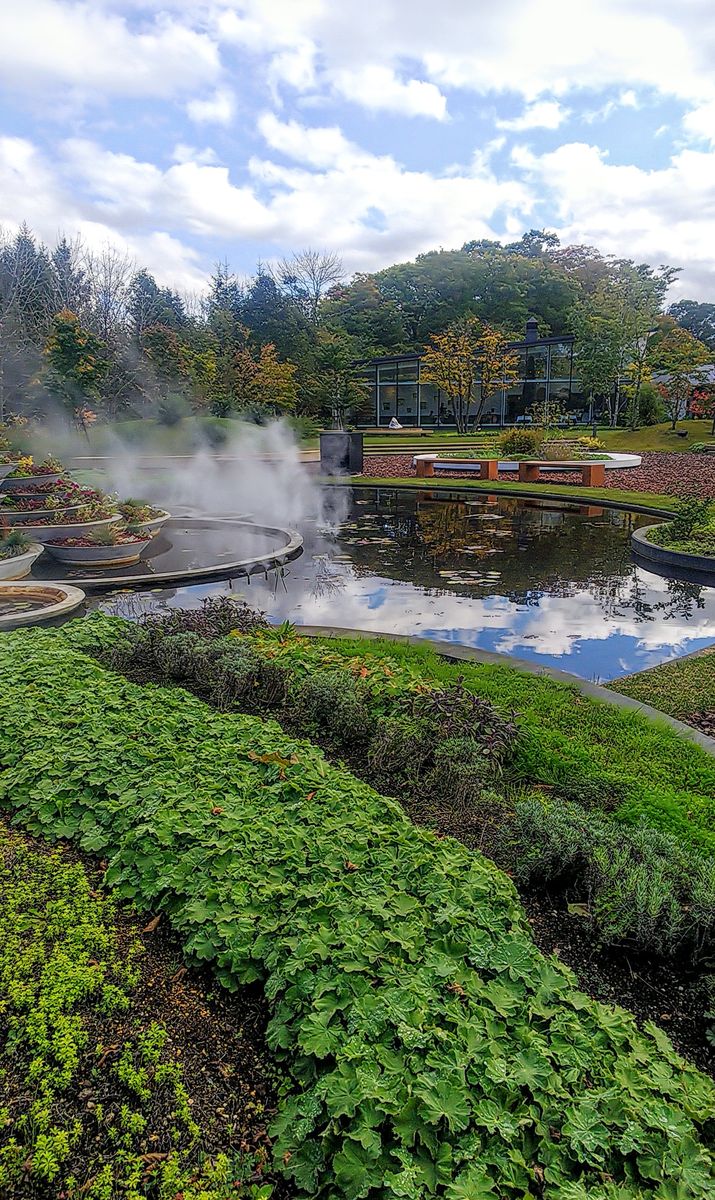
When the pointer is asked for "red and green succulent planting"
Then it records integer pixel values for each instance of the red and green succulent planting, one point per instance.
(136, 511)
(27, 468)
(114, 536)
(68, 515)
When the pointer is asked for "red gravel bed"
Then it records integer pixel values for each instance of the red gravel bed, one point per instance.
(671, 474)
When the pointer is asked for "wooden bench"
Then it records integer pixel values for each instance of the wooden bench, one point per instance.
(488, 467)
(593, 474)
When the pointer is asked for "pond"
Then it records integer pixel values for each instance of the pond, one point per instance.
(548, 582)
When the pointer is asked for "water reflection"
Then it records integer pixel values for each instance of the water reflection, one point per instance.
(528, 578)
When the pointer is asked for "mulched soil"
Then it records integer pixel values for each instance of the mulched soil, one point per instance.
(704, 721)
(670, 474)
(217, 1037)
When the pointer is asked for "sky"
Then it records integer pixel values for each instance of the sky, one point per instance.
(193, 131)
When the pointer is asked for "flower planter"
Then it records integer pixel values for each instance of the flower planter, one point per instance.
(19, 565)
(98, 556)
(45, 533)
(15, 516)
(6, 469)
(28, 483)
(154, 524)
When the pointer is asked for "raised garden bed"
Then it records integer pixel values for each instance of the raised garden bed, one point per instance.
(84, 551)
(18, 564)
(26, 483)
(55, 530)
(549, 814)
(144, 516)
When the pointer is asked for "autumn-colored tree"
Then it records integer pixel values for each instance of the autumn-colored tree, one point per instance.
(466, 354)
(702, 405)
(275, 384)
(76, 364)
(261, 379)
(681, 359)
(177, 366)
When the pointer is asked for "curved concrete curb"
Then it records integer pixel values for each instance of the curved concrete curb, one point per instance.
(702, 563)
(293, 545)
(467, 654)
(61, 600)
(612, 462)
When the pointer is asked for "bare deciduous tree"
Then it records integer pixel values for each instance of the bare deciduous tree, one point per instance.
(110, 272)
(306, 277)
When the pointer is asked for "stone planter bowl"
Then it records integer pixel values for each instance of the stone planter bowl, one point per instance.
(19, 565)
(7, 469)
(154, 524)
(16, 485)
(98, 556)
(18, 515)
(52, 599)
(45, 533)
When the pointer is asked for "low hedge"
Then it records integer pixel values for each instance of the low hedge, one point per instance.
(432, 1049)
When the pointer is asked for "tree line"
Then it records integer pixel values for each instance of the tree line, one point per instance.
(93, 331)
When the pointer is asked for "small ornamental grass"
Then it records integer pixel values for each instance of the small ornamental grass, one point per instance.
(14, 544)
(432, 1050)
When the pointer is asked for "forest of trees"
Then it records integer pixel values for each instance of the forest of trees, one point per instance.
(95, 334)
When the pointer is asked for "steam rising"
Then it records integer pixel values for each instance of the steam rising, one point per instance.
(258, 474)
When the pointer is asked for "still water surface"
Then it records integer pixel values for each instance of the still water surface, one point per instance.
(541, 581)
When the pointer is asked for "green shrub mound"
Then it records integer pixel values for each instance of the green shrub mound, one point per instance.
(432, 1049)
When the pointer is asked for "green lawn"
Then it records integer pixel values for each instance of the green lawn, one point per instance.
(578, 495)
(650, 437)
(666, 780)
(679, 688)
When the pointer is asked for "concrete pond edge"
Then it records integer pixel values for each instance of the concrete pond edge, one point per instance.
(641, 546)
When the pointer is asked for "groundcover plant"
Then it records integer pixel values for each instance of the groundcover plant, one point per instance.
(568, 804)
(430, 1047)
(93, 1102)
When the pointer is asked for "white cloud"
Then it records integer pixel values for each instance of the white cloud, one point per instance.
(662, 215)
(32, 189)
(700, 122)
(328, 191)
(219, 108)
(48, 44)
(378, 88)
(534, 50)
(543, 114)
